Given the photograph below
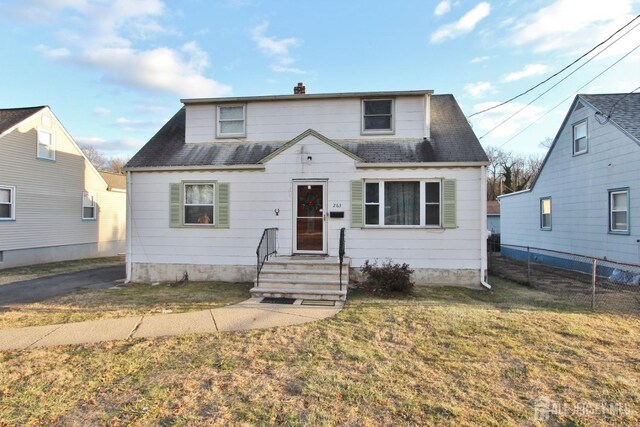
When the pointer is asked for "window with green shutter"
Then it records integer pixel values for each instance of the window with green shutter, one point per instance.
(199, 204)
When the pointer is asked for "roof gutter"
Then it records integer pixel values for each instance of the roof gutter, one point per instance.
(421, 165)
(195, 168)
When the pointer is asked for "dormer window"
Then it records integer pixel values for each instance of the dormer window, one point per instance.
(231, 121)
(377, 116)
(580, 138)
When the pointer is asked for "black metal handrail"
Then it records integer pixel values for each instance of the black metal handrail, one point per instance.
(266, 248)
(341, 253)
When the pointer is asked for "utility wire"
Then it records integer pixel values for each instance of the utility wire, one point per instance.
(572, 94)
(554, 75)
(557, 83)
(612, 109)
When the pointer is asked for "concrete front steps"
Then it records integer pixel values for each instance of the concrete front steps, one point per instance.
(303, 277)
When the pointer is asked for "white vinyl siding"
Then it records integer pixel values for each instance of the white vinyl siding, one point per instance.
(580, 143)
(88, 205)
(545, 213)
(231, 121)
(7, 203)
(619, 211)
(46, 145)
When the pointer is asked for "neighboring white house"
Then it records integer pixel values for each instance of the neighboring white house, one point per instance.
(586, 198)
(402, 172)
(54, 205)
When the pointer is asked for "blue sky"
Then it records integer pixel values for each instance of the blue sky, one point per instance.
(114, 71)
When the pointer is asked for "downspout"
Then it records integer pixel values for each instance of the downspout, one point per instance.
(129, 220)
(483, 227)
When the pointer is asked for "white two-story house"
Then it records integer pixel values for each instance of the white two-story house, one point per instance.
(401, 172)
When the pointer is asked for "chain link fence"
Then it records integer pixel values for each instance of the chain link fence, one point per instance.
(583, 281)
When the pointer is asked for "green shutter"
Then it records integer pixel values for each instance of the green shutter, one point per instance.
(357, 204)
(175, 205)
(222, 205)
(449, 217)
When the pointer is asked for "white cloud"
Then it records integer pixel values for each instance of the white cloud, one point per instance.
(573, 25)
(101, 111)
(278, 49)
(527, 71)
(443, 7)
(478, 90)
(464, 25)
(487, 121)
(479, 59)
(136, 125)
(125, 146)
(103, 35)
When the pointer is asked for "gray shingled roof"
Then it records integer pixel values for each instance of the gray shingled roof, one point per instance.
(10, 117)
(626, 113)
(452, 140)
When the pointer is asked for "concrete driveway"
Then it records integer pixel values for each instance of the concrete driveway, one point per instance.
(36, 290)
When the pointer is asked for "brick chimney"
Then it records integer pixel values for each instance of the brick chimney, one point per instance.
(300, 89)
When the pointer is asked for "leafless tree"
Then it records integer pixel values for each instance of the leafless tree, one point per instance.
(103, 163)
(95, 156)
(508, 172)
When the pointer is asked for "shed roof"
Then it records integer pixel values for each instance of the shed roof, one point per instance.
(115, 181)
(452, 140)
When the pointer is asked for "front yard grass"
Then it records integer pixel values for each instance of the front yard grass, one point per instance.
(127, 300)
(37, 271)
(441, 357)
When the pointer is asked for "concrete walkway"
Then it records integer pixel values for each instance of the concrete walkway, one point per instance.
(250, 314)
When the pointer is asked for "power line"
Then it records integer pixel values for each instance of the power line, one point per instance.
(554, 75)
(556, 84)
(572, 94)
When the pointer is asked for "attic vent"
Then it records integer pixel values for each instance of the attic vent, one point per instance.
(579, 105)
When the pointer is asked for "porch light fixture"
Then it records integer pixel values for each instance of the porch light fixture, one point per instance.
(277, 211)
(309, 158)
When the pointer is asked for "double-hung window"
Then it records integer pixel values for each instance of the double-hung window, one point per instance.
(545, 213)
(199, 200)
(377, 116)
(580, 144)
(403, 203)
(7, 203)
(88, 205)
(619, 211)
(231, 121)
(46, 145)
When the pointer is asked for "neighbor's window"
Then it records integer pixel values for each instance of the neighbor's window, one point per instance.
(46, 145)
(377, 115)
(7, 203)
(231, 121)
(545, 213)
(619, 211)
(198, 203)
(88, 205)
(580, 137)
(403, 203)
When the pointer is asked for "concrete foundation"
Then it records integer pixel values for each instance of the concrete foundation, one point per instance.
(149, 273)
(21, 257)
(143, 272)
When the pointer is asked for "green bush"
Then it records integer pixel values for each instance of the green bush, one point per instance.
(387, 278)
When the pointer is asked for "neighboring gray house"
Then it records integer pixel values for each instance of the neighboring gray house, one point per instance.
(402, 172)
(54, 205)
(586, 198)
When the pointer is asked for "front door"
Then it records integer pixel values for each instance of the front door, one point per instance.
(310, 218)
